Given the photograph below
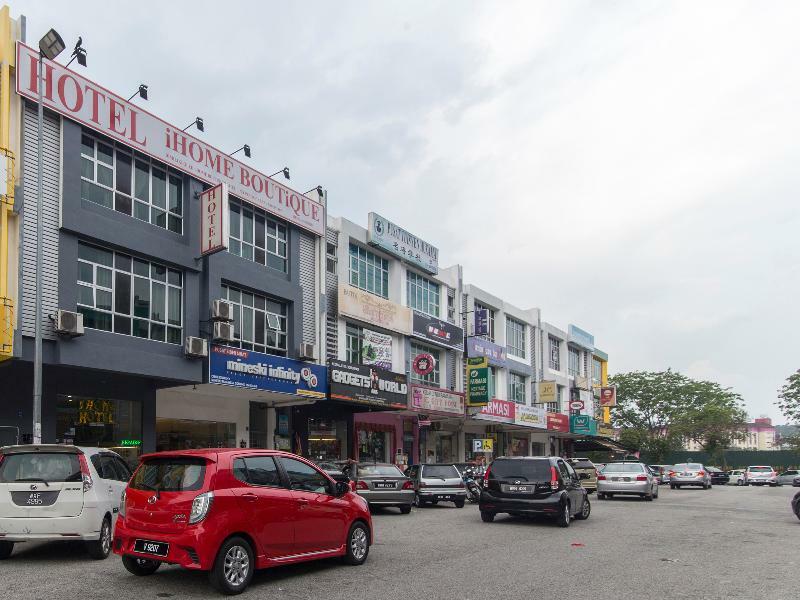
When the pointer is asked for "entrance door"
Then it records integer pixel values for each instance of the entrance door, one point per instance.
(258, 425)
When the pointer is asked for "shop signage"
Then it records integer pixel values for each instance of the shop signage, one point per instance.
(370, 308)
(605, 430)
(478, 361)
(437, 331)
(481, 324)
(608, 396)
(95, 412)
(214, 219)
(376, 349)
(558, 422)
(130, 443)
(530, 416)
(502, 411)
(547, 391)
(496, 355)
(397, 241)
(583, 424)
(483, 445)
(576, 405)
(425, 399)
(581, 338)
(423, 364)
(257, 371)
(477, 386)
(82, 100)
(364, 384)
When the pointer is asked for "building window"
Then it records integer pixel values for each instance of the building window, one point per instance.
(354, 344)
(515, 337)
(432, 378)
(254, 236)
(123, 294)
(490, 318)
(451, 306)
(597, 372)
(574, 362)
(330, 258)
(259, 322)
(492, 382)
(131, 183)
(555, 353)
(368, 271)
(516, 388)
(423, 294)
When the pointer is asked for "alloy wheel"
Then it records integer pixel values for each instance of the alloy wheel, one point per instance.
(237, 565)
(358, 543)
(105, 537)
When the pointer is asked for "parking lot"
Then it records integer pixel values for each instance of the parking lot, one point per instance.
(726, 542)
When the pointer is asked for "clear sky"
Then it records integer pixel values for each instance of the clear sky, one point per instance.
(630, 167)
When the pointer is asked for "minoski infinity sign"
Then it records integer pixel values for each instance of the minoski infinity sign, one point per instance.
(258, 371)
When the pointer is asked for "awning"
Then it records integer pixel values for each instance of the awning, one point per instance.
(597, 443)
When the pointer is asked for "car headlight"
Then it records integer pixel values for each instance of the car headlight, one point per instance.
(200, 507)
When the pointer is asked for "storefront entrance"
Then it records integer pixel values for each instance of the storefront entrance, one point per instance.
(183, 434)
(327, 439)
(373, 446)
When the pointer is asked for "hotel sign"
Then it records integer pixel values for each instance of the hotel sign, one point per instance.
(72, 95)
(397, 241)
(214, 219)
(372, 309)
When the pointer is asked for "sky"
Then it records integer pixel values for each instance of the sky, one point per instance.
(629, 167)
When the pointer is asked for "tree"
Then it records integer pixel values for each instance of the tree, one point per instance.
(789, 403)
(715, 417)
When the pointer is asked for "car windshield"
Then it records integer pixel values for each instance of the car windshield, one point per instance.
(688, 467)
(170, 474)
(624, 468)
(40, 466)
(381, 470)
(440, 471)
(583, 464)
(760, 469)
(529, 470)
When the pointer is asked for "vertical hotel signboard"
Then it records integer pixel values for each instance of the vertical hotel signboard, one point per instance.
(214, 219)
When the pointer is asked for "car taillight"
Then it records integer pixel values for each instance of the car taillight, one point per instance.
(701, 473)
(85, 474)
(672, 473)
(486, 476)
(408, 485)
(553, 478)
(601, 477)
(641, 478)
(200, 506)
(361, 485)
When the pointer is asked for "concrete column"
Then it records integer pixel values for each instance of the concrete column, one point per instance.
(271, 426)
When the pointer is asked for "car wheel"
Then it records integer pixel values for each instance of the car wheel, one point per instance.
(233, 567)
(563, 519)
(672, 486)
(585, 511)
(419, 502)
(140, 566)
(6, 548)
(739, 482)
(487, 517)
(459, 503)
(648, 497)
(655, 492)
(601, 496)
(405, 509)
(357, 544)
(101, 548)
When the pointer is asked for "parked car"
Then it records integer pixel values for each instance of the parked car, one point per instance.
(736, 477)
(796, 505)
(231, 511)
(584, 465)
(335, 470)
(530, 485)
(684, 474)
(383, 484)
(434, 483)
(760, 475)
(627, 478)
(718, 476)
(788, 476)
(796, 482)
(57, 492)
(663, 472)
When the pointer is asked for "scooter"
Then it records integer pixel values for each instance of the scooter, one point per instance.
(473, 489)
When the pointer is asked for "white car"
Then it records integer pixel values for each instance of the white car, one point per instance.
(737, 477)
(788, 477)
(760, 475)
(55, 492)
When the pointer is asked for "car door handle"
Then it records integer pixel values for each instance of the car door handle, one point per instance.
(250, 497)
(303, 503)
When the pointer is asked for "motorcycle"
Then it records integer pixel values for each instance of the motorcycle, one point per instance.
(796, 505)
(473, 489)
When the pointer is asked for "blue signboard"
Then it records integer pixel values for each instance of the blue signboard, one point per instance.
(257, 371)
(581, 337)
(481, 326)
(496, 355)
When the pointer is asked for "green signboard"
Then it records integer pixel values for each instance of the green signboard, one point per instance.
(583, 424)
(477, 386)
(130, 443)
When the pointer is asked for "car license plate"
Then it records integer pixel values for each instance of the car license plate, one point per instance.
(384, 486)
(34, 498)
(148, 547)
(445, 497)
(519, 489)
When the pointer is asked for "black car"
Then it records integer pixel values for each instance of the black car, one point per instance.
(718, 477)
(533, 485)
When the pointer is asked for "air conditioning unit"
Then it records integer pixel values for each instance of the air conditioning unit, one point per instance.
(308, 351)
(69, 323)
(195, 347)
(221, 310)
(223, 332)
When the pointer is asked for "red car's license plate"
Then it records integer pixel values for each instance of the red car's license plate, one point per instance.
(149, 547)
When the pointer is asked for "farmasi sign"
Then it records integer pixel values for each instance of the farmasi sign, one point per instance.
(77, 98)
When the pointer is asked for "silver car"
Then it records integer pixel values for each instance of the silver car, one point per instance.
(787, 477)
(383, 484)
(760, 475)
(437, 483)
(627, 478)
(683, 474)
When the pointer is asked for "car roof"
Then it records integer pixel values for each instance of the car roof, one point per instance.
(439, 464)
(759, 466)
(49, 448)
(526, 457)
(212, 454)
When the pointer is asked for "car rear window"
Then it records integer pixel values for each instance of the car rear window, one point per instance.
(688, 467)
(170, 474)
(624, 468)
(40, 466)
(759, 469)
(583, 464)
(381, 470)
(443, 471)
(531, 470)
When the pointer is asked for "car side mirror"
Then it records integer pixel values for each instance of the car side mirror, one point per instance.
(583, 476)
(341, 488)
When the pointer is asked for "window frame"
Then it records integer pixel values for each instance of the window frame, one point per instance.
(275, 240)
(515, 337)
(516, 388)
(573, 356)
(554, 360)
(363, 263)
(282, 483)
(432, 379)
(426, 294)
(238, 298)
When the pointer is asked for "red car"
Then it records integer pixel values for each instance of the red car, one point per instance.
(231, 511)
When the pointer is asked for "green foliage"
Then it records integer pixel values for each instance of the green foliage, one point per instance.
(789, 397)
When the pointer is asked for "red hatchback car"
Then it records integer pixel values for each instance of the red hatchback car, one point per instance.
(231, 511)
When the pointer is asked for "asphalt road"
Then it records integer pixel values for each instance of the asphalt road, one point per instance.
(727, 542)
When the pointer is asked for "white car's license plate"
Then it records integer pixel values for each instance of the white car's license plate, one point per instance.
(149, 547)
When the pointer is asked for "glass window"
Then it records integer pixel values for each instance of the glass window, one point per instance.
(354, 344)
(257, 237)
(516, 388)
(262, 470)
(330, 258)
(368, 271)
(40, 466)
(432, 378)
(597, 371)
(490, 318)
(555, 353)
(422, 294)
(574, 362)
(304, 477)
(105, 297)
(260, 323)
(515, 337)
(170, 474)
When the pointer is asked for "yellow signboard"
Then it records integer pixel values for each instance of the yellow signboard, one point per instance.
(483, 445)
(547, 391)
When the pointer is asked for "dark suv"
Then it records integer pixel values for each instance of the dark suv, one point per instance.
(533, 485)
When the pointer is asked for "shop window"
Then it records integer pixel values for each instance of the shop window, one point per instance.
(515, 337)
(327, 439)
(131, 183)
(185, 434)
(373, 446)
(432, 378)
(257, 237)
(129, 296)
(490, 321)
(516, 388)
(368, 271)
(574, 365)
(259, 323)
(422, 294)
(331, 260)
